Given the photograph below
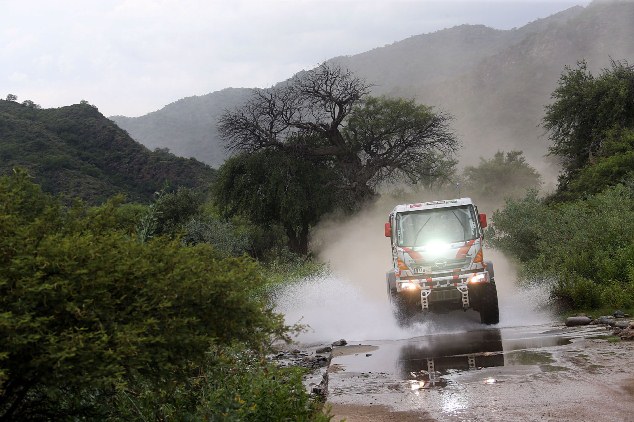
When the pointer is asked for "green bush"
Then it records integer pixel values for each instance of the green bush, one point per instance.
(576, 291)
(88, 313)
(241, 386)
(585, 245)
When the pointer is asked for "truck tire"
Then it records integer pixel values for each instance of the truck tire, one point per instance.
(489, 268)
(489, 310)
(403, 308)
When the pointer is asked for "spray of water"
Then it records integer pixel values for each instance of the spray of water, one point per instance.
(351, 301)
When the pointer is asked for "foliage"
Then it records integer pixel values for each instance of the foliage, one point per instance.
(270, 187)
(590, 123)
(398, 140)
(288, 267)
(223, 235)
(585, 246)
(503, 176)
(88, 313)
(244, 387)
(614, 164)
(325, 115)
(234, 384)
(320, 143)
(76, 152)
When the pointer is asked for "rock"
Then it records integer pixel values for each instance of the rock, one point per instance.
(326, 349)
(618, 314)
(626, 334)
(577, 320)
(318, 390)
(603, 320)
(341, 342)
(367, 355)
(622, 324)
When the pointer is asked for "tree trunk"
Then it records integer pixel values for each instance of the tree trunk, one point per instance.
(298, 241)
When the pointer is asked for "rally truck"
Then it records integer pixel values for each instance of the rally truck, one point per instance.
(438, 261)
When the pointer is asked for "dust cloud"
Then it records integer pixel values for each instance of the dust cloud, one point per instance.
(350, 301)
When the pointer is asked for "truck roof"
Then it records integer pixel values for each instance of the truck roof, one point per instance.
(444, 203)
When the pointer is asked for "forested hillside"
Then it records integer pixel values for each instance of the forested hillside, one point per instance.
(495, 82)
(76, 152)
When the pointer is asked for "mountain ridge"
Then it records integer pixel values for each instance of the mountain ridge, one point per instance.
(495, 82)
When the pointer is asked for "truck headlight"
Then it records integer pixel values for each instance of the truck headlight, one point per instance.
(407, 285)
(478, 278)
(437, 248)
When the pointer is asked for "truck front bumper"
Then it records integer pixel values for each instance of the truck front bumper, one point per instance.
(444, 288)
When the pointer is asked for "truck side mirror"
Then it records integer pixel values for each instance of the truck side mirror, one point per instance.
(388, 230)
(483, 220)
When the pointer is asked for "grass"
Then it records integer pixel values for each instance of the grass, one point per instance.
(595, 313)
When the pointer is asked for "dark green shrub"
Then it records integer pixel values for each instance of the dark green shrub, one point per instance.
(88, 313)
(585, 245)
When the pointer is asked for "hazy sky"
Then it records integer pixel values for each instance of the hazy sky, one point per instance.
(132, 57)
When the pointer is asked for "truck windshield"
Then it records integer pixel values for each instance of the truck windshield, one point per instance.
(447, 225)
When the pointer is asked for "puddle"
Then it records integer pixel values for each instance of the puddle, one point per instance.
(434, 361)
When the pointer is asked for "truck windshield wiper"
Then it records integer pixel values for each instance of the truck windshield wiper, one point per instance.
(420, 230)
(464, 229)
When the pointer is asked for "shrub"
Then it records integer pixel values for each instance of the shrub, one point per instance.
(88, 313)
(586, 245)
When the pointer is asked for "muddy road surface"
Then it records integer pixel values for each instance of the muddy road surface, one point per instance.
(449, 367)
(542, 372)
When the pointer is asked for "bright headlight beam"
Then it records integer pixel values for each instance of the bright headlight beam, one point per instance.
(437, 248)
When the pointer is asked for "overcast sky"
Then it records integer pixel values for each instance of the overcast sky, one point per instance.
(131, 57)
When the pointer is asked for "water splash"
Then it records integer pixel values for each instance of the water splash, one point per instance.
(334, 307)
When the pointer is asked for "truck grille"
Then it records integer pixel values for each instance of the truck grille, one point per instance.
(448, 264)
(443, 295)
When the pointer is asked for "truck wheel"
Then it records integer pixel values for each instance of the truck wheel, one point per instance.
(489, 310)
(489, 267)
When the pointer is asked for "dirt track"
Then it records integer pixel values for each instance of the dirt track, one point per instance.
(538, 373)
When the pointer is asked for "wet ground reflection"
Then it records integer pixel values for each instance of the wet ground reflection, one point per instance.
(434, 360)
(453, 376)
(423, 361)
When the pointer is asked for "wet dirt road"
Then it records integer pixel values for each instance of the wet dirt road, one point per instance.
(545, 372)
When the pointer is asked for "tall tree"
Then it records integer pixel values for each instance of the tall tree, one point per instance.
(506, 175)
(585, 113)
(325, 115)
(272, 187)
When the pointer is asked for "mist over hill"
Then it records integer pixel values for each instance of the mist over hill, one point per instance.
(186, 127)
(76, 152)
(495, 82)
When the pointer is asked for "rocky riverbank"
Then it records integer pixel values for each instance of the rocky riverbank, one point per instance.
(621, 324)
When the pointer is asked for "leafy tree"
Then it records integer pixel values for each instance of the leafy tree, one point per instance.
(89, 315)
(503, 176)
(30, 104)
(586, 113)
(613, 164)
(12, 97)
(270, 187)
(325, 115)
(398, 140)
